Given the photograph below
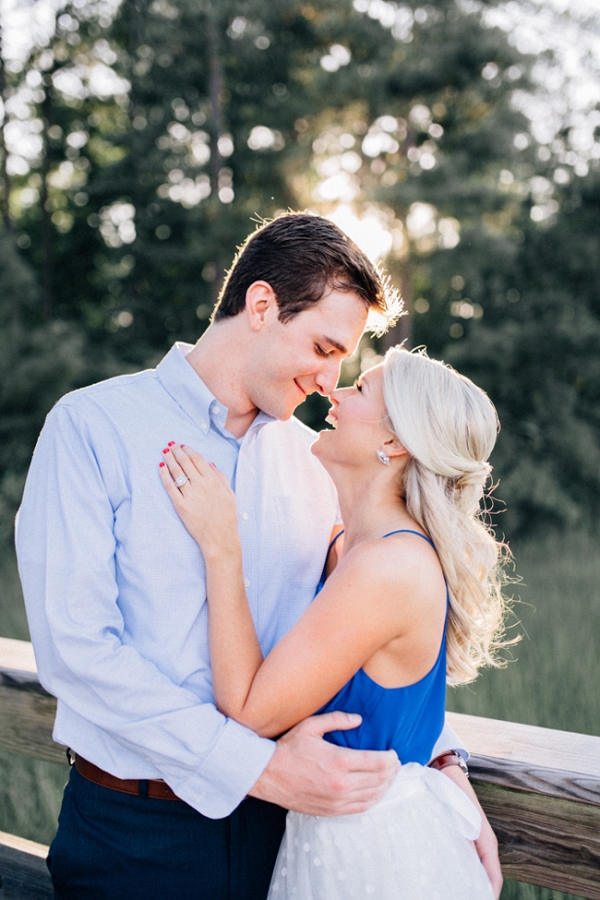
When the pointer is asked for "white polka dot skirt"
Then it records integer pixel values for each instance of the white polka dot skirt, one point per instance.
(416, 844)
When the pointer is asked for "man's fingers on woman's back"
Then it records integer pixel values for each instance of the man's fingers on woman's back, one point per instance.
(331, 721)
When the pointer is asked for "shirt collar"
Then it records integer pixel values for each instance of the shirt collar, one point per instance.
(188, 390)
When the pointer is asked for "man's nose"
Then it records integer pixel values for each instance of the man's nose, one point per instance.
(328, 376)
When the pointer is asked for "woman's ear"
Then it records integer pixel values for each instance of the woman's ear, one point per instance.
(260, 301)
(393, 447)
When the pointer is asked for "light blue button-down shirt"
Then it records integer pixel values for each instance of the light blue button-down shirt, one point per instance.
(114, 585)
(115, 588)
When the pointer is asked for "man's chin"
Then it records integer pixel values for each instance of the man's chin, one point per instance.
(282, 414)
(286, 416)
(280, 405)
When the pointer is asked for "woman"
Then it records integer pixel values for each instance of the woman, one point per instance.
(410, 597)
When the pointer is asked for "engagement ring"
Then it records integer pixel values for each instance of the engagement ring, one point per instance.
(181, 480)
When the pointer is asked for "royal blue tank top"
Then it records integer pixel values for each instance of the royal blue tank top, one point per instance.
(407, 719)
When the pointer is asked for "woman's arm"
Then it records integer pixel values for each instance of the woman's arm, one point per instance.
(487, 842)
(208, 510)
(359, 610)
(235, 652)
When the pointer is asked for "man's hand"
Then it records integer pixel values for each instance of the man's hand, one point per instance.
(312, 776)
(487, 842)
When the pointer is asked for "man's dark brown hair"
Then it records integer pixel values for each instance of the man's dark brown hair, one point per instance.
(301, 256)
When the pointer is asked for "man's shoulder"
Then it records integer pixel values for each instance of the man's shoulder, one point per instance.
(295, 430)
(108, 392)
(290, 437)
(289, 443)
(303, 431)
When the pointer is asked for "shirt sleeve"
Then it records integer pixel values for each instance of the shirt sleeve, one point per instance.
(449, 740)
(66, 553)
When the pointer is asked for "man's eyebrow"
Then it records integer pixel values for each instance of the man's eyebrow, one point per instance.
(336, 344)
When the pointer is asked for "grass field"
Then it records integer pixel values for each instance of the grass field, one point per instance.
(554, 680)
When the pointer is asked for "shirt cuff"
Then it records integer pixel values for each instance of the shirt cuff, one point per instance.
(448, 740)
(227, 773)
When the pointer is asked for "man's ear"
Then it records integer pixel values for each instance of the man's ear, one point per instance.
(260, 302)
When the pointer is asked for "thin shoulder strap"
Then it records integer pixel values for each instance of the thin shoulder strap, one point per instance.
(339, 534)
(429, 541)
(399, 531)
(410, 531)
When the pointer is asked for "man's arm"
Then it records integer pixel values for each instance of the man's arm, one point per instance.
(311, 776)
(66, 551)
(449, 740)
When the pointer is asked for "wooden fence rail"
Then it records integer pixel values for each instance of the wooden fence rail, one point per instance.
(540, 788)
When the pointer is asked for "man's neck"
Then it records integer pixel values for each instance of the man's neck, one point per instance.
(216, 359)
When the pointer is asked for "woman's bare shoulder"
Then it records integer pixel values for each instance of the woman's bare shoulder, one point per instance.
(402, 566)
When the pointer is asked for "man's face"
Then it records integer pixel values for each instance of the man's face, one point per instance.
(303, 355)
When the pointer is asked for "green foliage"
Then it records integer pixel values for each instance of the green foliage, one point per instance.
(37, 367)
(31, 792)
(38, 364)
(217, 114)
(537, 351)
(145, 193)
(552, 680)
(515, 890)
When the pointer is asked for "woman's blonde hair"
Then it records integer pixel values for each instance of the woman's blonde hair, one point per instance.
(449, 427)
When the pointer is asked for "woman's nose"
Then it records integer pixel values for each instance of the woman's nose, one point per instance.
(338, 394)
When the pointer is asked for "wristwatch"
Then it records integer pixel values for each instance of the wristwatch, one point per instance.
(449, 758)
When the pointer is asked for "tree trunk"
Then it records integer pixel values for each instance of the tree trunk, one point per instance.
(4, 177)
(46, 225)
(215, 91)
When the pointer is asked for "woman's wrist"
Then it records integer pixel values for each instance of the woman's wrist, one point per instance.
(226, 554)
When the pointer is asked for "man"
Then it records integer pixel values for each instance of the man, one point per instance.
(115, 590)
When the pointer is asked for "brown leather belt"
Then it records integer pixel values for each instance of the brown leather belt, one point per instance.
(156, 790)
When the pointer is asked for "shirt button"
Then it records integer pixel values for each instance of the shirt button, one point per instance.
(246, 582)
(216, 410)
(203, 425)
(245, 517)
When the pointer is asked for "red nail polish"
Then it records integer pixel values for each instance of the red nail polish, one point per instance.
(160, 465)
(170, 444)
(166, 450)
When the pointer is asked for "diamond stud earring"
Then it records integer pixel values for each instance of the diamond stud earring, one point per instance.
(383, 457)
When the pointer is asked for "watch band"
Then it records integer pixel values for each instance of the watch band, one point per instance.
(449, 758)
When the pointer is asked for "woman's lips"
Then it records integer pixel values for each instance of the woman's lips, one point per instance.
(331, 418)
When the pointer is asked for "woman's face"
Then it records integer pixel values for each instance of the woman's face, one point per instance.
(359, 420)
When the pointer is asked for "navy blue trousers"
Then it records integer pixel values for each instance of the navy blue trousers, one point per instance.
(113, 846)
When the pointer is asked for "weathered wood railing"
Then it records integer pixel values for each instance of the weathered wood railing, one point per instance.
(540, 788)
